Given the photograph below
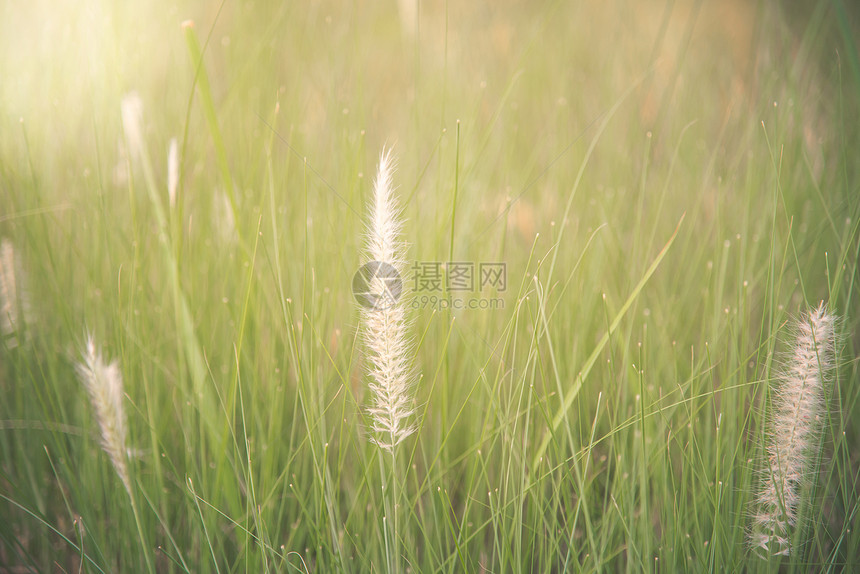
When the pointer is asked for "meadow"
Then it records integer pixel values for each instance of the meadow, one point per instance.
(616, 219)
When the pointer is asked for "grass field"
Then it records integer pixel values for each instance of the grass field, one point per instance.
(666, 187)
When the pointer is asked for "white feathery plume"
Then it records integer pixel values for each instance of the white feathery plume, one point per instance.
(15, 313)
(104, 386)
(389, 350)
(132, 120)
(8, 293)
(799, 411)
(222, 214)
(172, 171)
(408, 11)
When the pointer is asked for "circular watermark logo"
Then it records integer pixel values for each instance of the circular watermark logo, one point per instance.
(377, 285)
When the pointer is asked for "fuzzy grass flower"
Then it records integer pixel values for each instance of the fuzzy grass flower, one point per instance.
(799, 411)
(8, 294)
(16, 317)
(103, 382)
(172, 171)
(389, 349)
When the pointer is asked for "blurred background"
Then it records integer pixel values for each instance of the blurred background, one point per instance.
(648, 109)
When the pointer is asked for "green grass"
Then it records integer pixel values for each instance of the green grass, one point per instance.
(669, 186)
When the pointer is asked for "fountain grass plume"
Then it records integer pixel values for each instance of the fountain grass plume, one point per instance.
(16, 316)
(104, 386)
(172, 171)
(389, 349)
(800, 408)
(8, 294)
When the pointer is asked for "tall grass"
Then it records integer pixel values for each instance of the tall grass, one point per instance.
(103, 382)
(667, 184)
(389, 354)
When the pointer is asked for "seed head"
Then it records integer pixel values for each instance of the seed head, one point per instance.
(389, 350)
(104, 387)
(799, 411)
